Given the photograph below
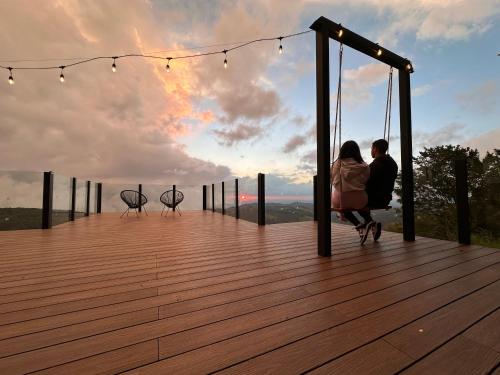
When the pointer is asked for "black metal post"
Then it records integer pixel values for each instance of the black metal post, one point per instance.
(98, 198)
(223, 195)
(48, 187)
(73, 199)
(323, 142)
(406, 156)
(315, 197)
(462, 201)
(236, 199)
(140, 192)
(204, 197)
(213, 198)
(173, 199)
(261, 199)
(87, 202)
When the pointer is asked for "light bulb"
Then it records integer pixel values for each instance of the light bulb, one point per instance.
(11, 78)
(113, 67)
(168, 64)
(225, 63)
(408, 67)
(61, 78)
(379, 52)
(280, 50)
(168, 68)
(341, 32)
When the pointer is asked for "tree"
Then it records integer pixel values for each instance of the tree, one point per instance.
(434, 184)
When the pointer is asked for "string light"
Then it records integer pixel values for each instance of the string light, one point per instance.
(409, 68)
(225, 59)
(341, 32)
(113, 67)
(168, 64)
(61, 76)
(280, 49)
(11, 78)
(379, 52)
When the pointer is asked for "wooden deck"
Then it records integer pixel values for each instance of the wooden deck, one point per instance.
(205, 293)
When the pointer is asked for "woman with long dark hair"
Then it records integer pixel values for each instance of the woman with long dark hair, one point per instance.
(349, 176)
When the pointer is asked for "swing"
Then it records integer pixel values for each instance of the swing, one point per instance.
(338, 123)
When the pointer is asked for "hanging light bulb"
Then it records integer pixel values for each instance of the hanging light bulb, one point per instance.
(379, 52)
(11, 78)
(341, 32)
(61, 76)
(168, 64)
(409, 67)
(113, 67)
(225, 59)
(280, 49)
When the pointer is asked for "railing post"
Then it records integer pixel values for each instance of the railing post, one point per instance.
(73, 199)
(48, 186)
(204, 197)
(222, 195)
(261, 199)
(315, 197)
(98, 198)
(173, 199)
(213, 198)
(462, 201)
(87, 202)
(140, 192)
(236, 199)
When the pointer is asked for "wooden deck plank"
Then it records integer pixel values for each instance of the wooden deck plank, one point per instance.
(204, 292)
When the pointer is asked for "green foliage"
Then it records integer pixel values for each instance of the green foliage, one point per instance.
(434, 182)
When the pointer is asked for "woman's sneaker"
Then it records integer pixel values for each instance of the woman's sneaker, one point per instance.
(367, 229)
(377, 231)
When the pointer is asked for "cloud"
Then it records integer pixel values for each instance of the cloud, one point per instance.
(241, 132)
(359, 82)
(484, 97)
(449, 134)
(487, 141)
(294, 143)
(421, 90)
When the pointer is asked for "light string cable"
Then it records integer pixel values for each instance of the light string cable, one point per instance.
(147, 56)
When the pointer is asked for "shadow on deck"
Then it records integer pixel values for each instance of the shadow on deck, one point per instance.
(205, 293)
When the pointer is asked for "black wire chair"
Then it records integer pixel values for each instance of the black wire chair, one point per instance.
(134, 201)
(167, 198)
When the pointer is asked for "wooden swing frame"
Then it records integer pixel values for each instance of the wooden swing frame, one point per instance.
(326, 29)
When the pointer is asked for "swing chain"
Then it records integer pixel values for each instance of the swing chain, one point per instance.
(388, 106)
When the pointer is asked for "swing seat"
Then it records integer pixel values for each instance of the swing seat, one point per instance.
(333, 209)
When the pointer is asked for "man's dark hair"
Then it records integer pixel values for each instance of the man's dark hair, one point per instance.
(381, 145)
(350, 149)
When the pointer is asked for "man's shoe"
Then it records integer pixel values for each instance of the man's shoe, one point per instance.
(377, 231)
(361, 230)
(367, 230)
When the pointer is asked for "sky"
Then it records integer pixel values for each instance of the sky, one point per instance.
(201, 123)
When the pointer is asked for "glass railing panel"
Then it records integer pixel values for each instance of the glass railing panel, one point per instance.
(288, 201)
(153, 193)
(111, 201)
(20, 200)
(193, 197)
(229, 198)
(92, 201)
(247, 190)
(81, 198)
(209, 197)
(61, 199)
(218, 197)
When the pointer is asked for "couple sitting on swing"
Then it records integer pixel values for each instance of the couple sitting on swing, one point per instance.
(361, 187)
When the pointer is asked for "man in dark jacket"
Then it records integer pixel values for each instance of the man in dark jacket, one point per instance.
(383, 173)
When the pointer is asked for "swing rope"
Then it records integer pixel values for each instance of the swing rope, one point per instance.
(338, 114)
(388, 106)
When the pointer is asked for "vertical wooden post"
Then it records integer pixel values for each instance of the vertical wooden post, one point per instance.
(98, 198)
(204, 197)
(323, 142)
(173, 198)
(213, 198)
(236, 199)
(73, 199)
(406, 156)
(315, 197)
(462, 201)
(87, 202)
(223, 196)
(140, 192)
(261, 199)
(48, 186)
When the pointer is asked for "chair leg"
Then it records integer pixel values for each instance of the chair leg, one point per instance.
(136, 213)
(146, 212)
(163, 208)
(125, 212)
(178, 210)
